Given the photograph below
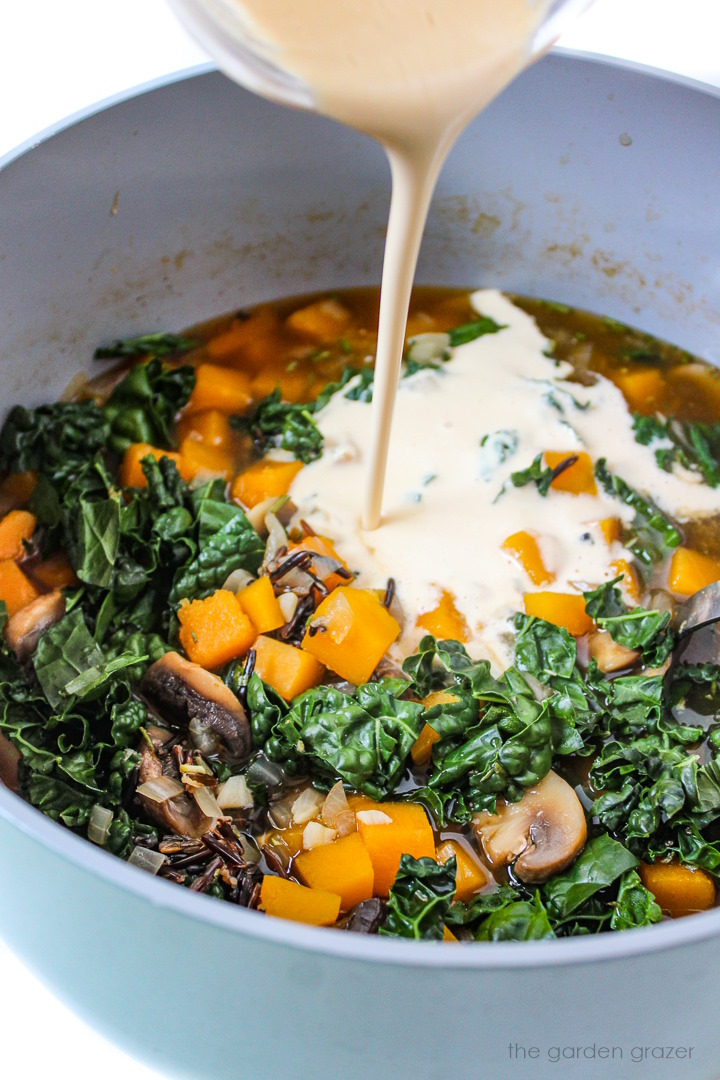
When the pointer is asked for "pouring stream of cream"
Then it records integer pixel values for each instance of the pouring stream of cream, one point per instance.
(410, 73)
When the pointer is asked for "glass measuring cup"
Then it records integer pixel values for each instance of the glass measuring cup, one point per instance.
(227, 34)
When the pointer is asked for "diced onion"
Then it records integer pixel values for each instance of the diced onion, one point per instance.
(373, 817)
(315, 834)
(145, 859)
(288, 602)
(234, 794)
(99, 824)
(277, 537)
(207, 802)
(251, 851)
(264, 773)
(280, 812)
(307, 806)
(345, 823)
(335, 804)
(237, 580)
(427, 348)
(256, 515)
(276, 453)
(160, 789)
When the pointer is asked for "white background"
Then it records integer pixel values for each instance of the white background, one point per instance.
(58, 56)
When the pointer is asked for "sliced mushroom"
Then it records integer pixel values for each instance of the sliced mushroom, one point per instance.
(539, 835)
(608, 655)
(181, 814)
(194, 701)
(366, 917)
(9, 761)
(25, 627)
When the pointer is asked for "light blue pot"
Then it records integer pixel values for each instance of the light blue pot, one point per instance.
(586, 182)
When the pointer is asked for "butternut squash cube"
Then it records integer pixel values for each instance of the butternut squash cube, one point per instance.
(216, 630)
(200, 459)
(408, 832)
(323, 320)
(524, 549)
(690, 571)
(210, 427)
(630, 583)
(561, 609)
(288, 670)
(577, 479)
(219, 388)
(16, 488)
(288, 900)
(679, 890)
(342, 866)
(259, 602)
(445, 621)
(642, 388)
(421, 749)
(15, 588)
(471, 875)
(611, 528)
(15, 528)
(320, 545)
(264, 480)
(350, 633)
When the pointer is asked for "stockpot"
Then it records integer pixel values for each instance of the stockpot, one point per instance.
(586, 182)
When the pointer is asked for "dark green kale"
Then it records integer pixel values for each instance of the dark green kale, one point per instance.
(652, 535)
(420, 899)
(541, 476)
(143, 406)
(461, 335)
(635, 905)
(521, 920)
(56, 440)
(149, 346)
(647, 632)
(601, 862)
(694, 445)
(363, 738)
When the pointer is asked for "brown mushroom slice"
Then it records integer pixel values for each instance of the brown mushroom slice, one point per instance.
(180, 815)
(540, 835)
(9, 761)
(192, 700)
(608, 654)
(25, 627)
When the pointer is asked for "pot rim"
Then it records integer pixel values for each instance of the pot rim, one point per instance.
(280, 932)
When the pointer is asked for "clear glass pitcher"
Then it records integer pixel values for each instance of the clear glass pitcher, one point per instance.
(221, 28)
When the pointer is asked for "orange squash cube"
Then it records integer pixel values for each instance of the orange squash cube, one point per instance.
(577, 479)
(445, 621)
(630, 583)
(15, 588)
(259, 602)
(448, 935)
(561, 609)
(679, 890)
(342, 866)
(642, 388)
(288, 900)
(408, 832)
(131, 474)
(470, 876)
(611, 528)
(219, 388)
(200, 459)
(690, 571)
(323, 320)
(264, 480)
(524, 549)
(210, 427)
(350, 633)
(16, 527)
(216, 630)
(288, 670)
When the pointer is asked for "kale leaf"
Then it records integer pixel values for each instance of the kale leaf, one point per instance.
(149, 345)
(520, 920)
(420, 899)
(143, 406)
(652, 535)
(648, 632)
(461, 335)
(694, 445)
(635, 905)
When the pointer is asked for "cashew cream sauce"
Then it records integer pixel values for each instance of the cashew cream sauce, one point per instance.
(458, 433)
(411, 73)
